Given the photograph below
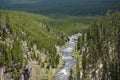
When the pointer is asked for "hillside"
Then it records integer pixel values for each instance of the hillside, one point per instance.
(23, 40)
(98, 50)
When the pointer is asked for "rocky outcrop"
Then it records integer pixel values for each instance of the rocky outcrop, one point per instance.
(2, 69)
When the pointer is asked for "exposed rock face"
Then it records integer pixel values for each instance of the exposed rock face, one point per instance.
(26, 74)
(27, 71)
(1, 73)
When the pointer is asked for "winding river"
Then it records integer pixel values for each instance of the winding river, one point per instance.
(69, 61)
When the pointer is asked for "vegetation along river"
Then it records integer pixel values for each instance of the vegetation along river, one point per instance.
(69, 61)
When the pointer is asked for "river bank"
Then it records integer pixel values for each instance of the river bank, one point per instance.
(69, 61)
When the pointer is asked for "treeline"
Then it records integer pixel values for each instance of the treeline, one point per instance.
(100, 50)
(69, 25)
(63, 7)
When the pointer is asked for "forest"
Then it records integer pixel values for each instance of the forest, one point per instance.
(27, 37)
(59, 40)
(23, 40)
(98, 50)
(62, 7)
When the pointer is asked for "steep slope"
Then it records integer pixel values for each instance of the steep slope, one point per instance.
(99, 50)
(24, 41)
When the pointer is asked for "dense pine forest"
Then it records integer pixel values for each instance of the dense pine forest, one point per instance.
(59, 40)
(62, 7)
(98, 50)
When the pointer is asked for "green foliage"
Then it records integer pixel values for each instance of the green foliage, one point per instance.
(102, 44)
(16, 27)
(42, 31)
(62, 7)
(70, 24)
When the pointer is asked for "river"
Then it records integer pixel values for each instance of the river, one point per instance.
(68, 61)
